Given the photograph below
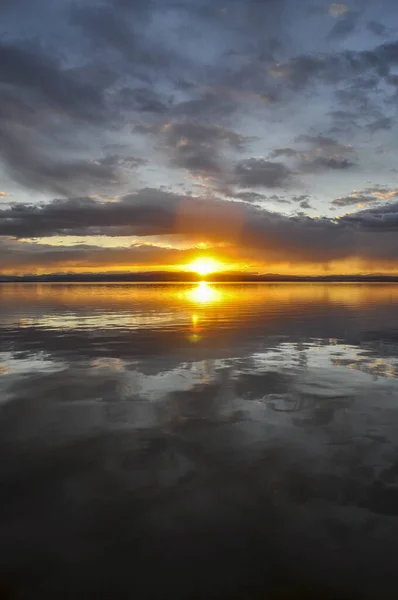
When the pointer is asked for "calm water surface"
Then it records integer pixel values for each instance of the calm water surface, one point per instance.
(199, 441)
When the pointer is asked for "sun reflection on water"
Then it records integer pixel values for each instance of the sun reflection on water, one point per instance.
(204, 293)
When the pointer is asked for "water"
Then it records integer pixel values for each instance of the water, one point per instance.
(198, 441)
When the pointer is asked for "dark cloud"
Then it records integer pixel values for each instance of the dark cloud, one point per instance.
(379, 218)
(119, 26)
(279, 199)
(352, 200)
(338, 67)
(58, 175)
(323, 153)
(370, 195)
(243, 229)
(343, 27)
(251, 196)
(257, 172)
(212, 104)
(301, 198)
(194, 146)
(335, 163)
(47, 82)
(377, 28)
(145, 100)
(305, 204)
(29, 256)
(380, 124)
(151, 212)
(289, 152)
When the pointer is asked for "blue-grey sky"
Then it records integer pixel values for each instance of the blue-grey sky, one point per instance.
(139, 133)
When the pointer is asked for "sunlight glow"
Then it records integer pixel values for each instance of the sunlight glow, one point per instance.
(204, 266)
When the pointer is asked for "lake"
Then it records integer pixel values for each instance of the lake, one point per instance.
(199, 441)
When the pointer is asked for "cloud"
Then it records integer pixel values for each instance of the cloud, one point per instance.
(323, 153)
(250, 196)
(379, 218)
(301, 198)
(45, 80)
(257, 172)
(240, 229)
(334, 163)
(305, 204)
(62, 175)
(337, 67)
(384, 123)
(120, 27)
(191, 108)
(377, 28)
(370, 195)
(144, 100)
(342, 29)
(17, 255)
(352, 199)
(155, 213)
(195, 146)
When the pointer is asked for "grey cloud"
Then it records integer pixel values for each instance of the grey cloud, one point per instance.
(42, 101)
(338, 67)
(194, 146)
(323, 153)
(257, 172)
(212, 104)
(352, 200)
(377, 28)
(27, 67)
(343, 28)
(248, 228)
(369, 195)
(279, 199)
(145, 100)
(335, 163)
(198, 133)
(148, 213)
(325, 143)
(60, 175)
(124, 29)
(301, 198)
(380, 218)
(112, 65)
(18, 254)
(257, 197)
(250, 196)
(289, 152)
(380, 124)
(151, 212)
(305, 204)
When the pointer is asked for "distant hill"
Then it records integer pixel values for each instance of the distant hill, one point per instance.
(182, 277)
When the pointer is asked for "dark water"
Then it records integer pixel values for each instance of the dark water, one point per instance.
(199, 441)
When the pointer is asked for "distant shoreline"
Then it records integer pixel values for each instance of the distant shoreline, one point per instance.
(162, 277)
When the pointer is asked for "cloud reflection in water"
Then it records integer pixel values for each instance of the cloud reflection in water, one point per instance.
(200, 430)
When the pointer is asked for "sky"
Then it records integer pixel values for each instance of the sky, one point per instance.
(146, 134)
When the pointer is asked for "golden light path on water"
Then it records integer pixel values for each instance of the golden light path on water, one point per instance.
(204, 293)
(204, 304)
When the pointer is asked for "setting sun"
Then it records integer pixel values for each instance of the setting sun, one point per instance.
(204, 266)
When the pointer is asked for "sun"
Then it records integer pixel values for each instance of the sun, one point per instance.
(204, 266)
